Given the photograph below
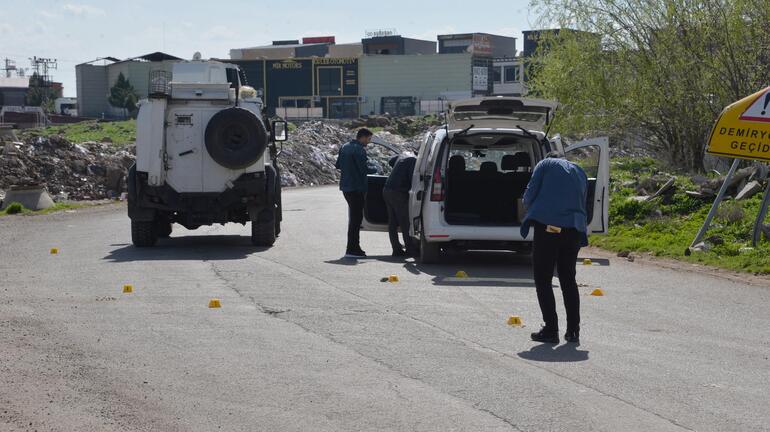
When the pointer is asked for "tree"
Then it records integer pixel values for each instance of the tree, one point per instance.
(662, 68)
(123, 95)
(40, 93)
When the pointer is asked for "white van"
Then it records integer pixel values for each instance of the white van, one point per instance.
(471, 174)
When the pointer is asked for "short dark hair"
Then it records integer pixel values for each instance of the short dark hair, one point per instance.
(363, 132)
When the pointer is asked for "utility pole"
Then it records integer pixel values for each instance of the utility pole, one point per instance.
(10, 67)
(41, 66)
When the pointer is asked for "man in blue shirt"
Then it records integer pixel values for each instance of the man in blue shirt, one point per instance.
(556, 209)
(352, 162)
(396, 196)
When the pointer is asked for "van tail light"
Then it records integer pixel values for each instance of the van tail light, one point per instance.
(437, 192)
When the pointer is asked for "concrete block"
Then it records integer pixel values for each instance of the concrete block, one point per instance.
(31, 197)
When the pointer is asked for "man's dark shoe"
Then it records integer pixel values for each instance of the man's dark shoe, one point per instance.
(398, 253)
(546, 335)
(356, 253)
(572, 336)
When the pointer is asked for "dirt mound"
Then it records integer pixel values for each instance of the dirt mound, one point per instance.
(84, 171)
(92, 170)
(308, 158)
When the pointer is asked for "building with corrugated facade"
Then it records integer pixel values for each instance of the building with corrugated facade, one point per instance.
(403, 84)
(95, 79)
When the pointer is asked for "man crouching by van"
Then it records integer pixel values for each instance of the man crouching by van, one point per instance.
(352, 162)
(556, 209)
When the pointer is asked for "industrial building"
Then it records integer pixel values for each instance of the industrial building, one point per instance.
(95, 78)
(508, 77)
(478, 44)
(397, 45)
(316, 77)
(414, 84)
(318, 87)
(13, 91)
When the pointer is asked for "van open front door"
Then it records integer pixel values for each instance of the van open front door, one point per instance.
(375, 211)
(593, 155)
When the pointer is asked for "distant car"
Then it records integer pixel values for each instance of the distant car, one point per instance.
(471, 174)
(204, 155)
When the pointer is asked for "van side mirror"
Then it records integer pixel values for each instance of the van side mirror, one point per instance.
(280, 131)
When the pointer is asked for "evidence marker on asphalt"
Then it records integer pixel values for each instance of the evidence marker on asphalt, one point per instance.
(515, 321)
(128, 289)
(461, 274)
(588, 261)
(214, 303)
(54, 251)
(597, 292)
(393, 278)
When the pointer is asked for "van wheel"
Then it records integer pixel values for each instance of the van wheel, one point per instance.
(143, 234)
(263, 230)
(430, 253)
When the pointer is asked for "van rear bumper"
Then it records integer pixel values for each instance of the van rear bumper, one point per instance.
(517, 246)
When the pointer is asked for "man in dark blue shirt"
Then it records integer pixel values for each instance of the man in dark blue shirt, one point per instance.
(556, 208)
(396, 196)
(352, 162)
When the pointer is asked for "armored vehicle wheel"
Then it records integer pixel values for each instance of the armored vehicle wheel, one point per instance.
(163, 228)
(429, 252)
(143, 234)
(263, 229)
(235, 138)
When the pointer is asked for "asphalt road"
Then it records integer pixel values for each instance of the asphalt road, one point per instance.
(306, 341)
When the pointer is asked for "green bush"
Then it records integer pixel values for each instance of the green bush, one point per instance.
(731, 212)
(14, 208)
(629, 210)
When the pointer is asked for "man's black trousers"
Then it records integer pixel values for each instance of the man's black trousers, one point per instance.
(398, 217)
(559, 250)
(355, 218)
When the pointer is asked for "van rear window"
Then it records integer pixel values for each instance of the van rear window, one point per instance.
(474, 158)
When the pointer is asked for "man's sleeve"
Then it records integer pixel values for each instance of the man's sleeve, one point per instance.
(362, 163)
(534, 185)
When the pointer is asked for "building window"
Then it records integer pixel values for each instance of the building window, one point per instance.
(329, 81)
(512, 74)
(497, 71)
(285, 102)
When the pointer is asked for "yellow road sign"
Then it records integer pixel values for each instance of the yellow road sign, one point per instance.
(743, 129)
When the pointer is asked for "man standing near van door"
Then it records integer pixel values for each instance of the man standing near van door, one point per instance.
(352, 162)
(556, 209)
(396, 196)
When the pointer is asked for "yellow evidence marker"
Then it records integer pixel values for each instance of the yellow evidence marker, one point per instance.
(128, 289)
(54, 251)
(588, 261)
(515, 320)
(393, 278)
(214, 303)
(597, 292)
(461, 274)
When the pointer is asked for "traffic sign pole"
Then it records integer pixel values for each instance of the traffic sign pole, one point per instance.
(714, 207)
(761, 217)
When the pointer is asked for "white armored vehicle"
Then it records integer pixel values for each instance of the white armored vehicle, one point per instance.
(204, 155)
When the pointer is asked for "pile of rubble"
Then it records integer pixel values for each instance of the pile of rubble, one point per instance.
(406, 126)
(91, 170)
(308, 158)
(86, 171)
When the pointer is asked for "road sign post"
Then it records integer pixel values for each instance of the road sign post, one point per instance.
(714, 206)
(761, 217)
(742, 131)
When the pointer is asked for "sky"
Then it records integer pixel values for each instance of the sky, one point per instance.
(78, 31)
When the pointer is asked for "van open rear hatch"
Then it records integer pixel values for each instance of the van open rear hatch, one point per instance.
(501, 113)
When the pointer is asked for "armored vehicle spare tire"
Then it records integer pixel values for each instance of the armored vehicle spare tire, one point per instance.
(235, 138)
